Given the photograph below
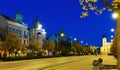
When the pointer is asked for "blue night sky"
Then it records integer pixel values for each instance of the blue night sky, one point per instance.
(62, 14)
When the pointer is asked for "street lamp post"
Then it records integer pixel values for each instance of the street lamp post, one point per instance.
(57, 39)
(70, 41)
(62, 34)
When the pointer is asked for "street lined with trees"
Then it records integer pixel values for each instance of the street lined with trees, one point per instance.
(12, 47)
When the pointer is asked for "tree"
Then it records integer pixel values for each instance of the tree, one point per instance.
(86, 50)
(77, 48)
(34, 46)
(11, 43)
(113, 48)
(49, 45)
(115, 5)
(95, 6)
(0, 44)
(92, 49)
(73, 49)
(23, 49)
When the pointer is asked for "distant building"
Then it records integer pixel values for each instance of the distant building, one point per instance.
(16, 26)
(37, 33)
(105, 48)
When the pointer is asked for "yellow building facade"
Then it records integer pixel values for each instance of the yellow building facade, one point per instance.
(105, 48)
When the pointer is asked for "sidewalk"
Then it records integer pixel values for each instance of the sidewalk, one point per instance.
(108, 60)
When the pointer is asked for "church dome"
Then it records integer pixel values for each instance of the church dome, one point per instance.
(19, 17)
(38, 25)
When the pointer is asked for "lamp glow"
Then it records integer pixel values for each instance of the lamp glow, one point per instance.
(112, 36)
(62, 34)
(111, 40)
(112, 30)
(114, 15)
(75, 39)
(81, 41)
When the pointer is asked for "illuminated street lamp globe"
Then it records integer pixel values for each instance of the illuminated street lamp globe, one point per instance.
(112, 36)
(114, 15)
(75, 39)
(112, 30)
(86, 43)
(81, 41)
(62, 34)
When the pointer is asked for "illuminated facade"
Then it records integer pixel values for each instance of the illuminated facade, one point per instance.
(105, 48)
(15, 26)
(18, 27)
(37, 33)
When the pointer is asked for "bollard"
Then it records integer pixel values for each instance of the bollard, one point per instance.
(95, 65)
(100, 60)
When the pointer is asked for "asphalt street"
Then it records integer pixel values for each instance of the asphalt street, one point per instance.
(59, 63)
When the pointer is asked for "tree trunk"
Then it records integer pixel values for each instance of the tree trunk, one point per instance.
(118, 41)
(117, 31)
(48, 53)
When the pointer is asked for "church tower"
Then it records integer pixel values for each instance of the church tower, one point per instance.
(105, 48)
(104, 40)
(38, 34)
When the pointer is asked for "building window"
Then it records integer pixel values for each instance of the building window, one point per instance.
(13, 30)
(24, 42)
(20, 32)
(24, 32)
(17, 31)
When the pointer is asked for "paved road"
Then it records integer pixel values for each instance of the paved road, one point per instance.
(61, 63)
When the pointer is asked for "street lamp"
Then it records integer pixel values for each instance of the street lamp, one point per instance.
(71, 41)
(81, 41)
(75, 39)
(112, 30)
(86, 44)
(115, 15)
(111, 36)
(62, 34)
(57, 38)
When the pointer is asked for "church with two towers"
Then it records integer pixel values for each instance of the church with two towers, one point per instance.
(105, 48)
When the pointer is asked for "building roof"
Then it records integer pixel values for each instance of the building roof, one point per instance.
(8, 18)
(13, 20)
